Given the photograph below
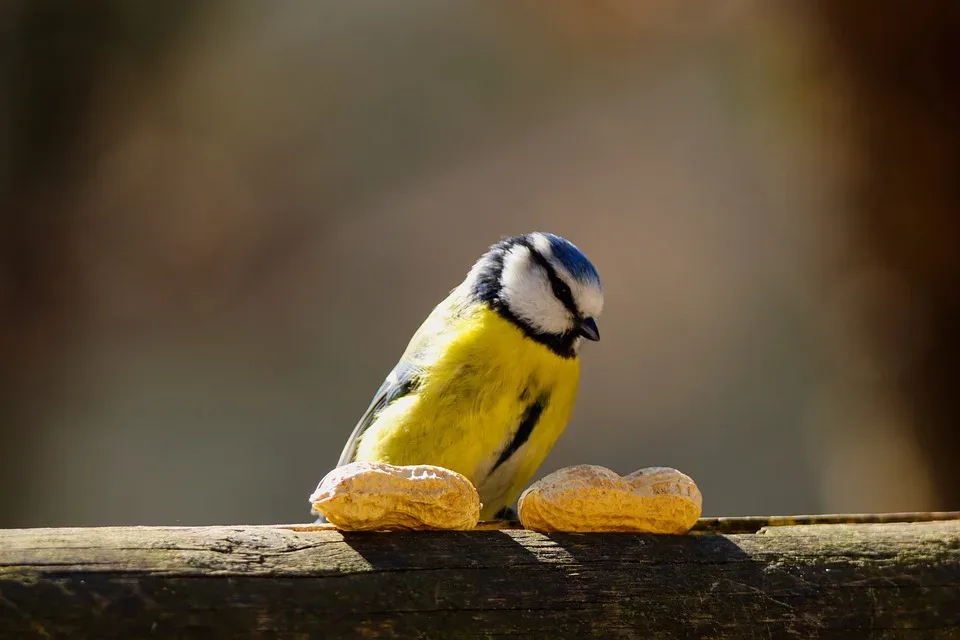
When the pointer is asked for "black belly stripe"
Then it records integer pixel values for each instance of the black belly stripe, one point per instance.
(530, 419)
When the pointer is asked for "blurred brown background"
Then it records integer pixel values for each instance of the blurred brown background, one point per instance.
(220, 222)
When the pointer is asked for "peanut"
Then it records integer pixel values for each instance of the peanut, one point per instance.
(369, 496)
(592, 498)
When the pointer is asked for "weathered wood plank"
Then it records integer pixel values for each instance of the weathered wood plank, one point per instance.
(809, 581)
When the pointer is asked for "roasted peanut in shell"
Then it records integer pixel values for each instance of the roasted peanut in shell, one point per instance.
(369, 496)
(586, 498)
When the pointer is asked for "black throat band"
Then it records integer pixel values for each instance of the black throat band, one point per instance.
(487, 289)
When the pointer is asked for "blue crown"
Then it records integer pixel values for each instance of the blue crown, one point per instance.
(573, 259)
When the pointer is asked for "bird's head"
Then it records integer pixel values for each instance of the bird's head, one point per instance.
(543, 284)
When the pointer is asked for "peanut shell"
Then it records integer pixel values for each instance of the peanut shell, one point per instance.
(592, 498)
(370, 496)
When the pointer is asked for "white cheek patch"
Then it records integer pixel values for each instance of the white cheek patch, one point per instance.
(526, 290)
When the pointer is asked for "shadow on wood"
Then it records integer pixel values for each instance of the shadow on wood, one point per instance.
(808, 581)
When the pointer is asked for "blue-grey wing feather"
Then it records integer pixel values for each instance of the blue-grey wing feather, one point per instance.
(402, 380)
(406, 376)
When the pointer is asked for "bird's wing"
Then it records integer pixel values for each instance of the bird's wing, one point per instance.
(401, 381)
(405, 377)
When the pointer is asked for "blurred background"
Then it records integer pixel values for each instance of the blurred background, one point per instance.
(220, 223)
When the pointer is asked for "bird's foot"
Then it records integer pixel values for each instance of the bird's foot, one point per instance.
(507, 513)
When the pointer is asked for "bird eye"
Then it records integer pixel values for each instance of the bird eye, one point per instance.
(561, 290)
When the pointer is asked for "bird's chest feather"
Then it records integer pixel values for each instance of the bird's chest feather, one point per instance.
(491, 402)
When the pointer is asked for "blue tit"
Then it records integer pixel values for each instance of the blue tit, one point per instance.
(488, 382)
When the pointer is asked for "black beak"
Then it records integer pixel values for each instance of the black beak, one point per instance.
(589, 329)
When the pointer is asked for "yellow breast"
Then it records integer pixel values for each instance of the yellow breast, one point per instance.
(482, 380)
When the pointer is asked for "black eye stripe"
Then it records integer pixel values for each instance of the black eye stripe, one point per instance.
(560, 288)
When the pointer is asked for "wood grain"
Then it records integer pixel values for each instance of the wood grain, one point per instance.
(892, 580)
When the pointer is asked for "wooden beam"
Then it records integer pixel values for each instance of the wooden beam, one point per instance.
(895, 580)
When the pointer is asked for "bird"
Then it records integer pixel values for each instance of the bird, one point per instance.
(487, 384)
